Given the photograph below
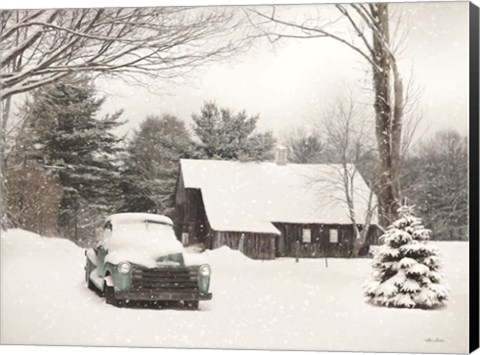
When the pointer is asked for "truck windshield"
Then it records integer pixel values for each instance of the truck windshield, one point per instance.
(138, 233)
(147, 229)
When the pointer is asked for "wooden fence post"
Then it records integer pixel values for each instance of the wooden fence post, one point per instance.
(326, 254)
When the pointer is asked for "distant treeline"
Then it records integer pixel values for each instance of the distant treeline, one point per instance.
(66, 169)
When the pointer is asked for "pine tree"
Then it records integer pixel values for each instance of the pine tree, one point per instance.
(406, 267)
(152, 165)
(306, 147)
(63, 134)
(226, 135)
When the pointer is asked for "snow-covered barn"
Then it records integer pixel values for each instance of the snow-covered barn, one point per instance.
(267, 207)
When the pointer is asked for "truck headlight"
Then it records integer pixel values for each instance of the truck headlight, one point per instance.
(124, 267)
(204, 270)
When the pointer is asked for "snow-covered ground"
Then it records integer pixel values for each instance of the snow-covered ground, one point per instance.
(275, 304)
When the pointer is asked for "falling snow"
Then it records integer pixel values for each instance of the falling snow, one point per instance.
(275, 304)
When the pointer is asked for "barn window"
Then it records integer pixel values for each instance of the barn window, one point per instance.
(333, 235)
(307, 235)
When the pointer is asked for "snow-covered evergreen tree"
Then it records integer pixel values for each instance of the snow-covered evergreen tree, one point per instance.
(306, 147)
(152, 165)
(63, 134)
(226, 135)
(406, 267)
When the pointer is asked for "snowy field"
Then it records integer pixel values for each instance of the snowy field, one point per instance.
(276, 304)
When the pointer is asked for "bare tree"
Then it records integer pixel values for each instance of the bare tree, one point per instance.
(34, 199)
(347, 134)
(41, 46)
(139, 45)
(412, 119)
(436, 181)
(369, 35)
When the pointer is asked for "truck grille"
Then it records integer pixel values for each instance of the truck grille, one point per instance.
(165, 280)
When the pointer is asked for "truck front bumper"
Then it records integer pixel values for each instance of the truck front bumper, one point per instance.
(163, 296)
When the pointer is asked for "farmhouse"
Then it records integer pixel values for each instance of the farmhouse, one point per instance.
(266, 207)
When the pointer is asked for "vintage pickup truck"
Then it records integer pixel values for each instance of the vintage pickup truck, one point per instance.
(138, 258)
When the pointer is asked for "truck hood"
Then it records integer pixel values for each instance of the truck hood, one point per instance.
(150, 254)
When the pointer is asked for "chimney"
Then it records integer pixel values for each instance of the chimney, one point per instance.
(281, 155)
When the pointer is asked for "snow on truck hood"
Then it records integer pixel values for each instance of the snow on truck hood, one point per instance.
(142, 240)
(137, 217)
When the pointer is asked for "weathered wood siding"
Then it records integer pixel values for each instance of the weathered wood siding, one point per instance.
(255, 245)
(190, 216)
(320, 245)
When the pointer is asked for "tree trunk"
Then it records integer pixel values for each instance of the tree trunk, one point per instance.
(358, 241)
(3, 199)
(388, 130)
(5, 107)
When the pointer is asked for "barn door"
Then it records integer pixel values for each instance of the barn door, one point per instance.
(280, 245)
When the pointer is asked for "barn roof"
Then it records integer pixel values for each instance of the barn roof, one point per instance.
(250, 196)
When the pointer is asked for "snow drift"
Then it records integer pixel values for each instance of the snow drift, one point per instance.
(225, 255)
(276, 304)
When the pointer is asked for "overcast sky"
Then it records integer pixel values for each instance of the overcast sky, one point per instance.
(293, 84)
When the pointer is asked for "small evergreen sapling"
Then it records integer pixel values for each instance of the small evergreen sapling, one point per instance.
(406, 267)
